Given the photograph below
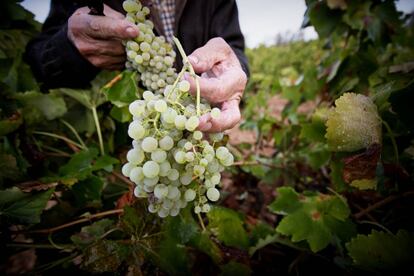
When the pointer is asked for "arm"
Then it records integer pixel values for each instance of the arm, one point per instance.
(74, 45)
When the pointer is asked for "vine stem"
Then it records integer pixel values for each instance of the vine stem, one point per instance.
(75, 222)
(200, 219)
(67, 140)
(187, 63)
(98, 129)
(74, 133)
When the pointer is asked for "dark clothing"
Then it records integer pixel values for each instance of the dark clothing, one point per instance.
(56, 62)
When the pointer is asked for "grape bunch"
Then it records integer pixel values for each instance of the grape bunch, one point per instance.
(171, 162)
(152, 56)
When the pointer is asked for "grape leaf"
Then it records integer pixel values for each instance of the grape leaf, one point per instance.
(79, 166)
(37, 105)
(307, 216)
(91, 233)
(29, 208)
(124, 91)
(235, 268)
(221, 220)
(380, 251)
(88, 190)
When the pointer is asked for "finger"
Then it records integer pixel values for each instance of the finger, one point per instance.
(101, 47)
(104, 27)
(227, 86)
(106, 62)
(229, 117)
(215, 51)
(109, 12)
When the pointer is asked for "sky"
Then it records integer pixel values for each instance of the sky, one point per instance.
(260, 20)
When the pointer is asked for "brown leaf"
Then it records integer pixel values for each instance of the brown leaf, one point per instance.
(362, 165)
(126, 199)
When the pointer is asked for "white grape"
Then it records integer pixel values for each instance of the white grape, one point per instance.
(213, 194)
(151, 169)
(149, 144)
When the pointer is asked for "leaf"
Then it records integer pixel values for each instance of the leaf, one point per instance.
(105, 162)
(354, 124)
(105, 256)
(363, 165)
(11, 195)
(273, 238)
(79, 166)
(10, 124)
(234, 268)
(51, 105)
(88, 190)
(364, 184)
(9, 168)
(131, 220)
(205, 244)
(91, 233)
(29, 208)
(124, 90)
(381, 252)
(323, 19)
(121, 114)
(313, 132)
(306, 216)
(223, 219)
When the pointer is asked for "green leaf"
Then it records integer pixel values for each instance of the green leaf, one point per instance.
(36, 105)
(323, 19)
(10, 124)
(29, 208)
(124, 91)
(92, 233)
(309, 218)
(9, 168)
(234, 268)
(11, 195)
(287, 201)
(105, 256)
(380, 251)
(105, 162)
(88, 190)
(132, 220)
(204, 243)
(121, 114)
(313, 132)
(221, 220)
(79, 166)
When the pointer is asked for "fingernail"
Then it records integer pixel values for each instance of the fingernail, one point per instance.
(131, 31)
(193, 59)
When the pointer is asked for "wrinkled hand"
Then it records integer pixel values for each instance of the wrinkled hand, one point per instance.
(98, 38)
(222, 83)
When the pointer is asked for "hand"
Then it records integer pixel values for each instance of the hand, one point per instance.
(98, 38)
(222, 83)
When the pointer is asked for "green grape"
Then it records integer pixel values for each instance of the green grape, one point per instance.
(159, 156)
(188, 146)
(135, 156)
(213, 194)
(136, 175)
(192, 123)
(184, 86)
(138, 192)
(189, 195)
(215, 179)
(149, 144)
(151, 169)
(148, 95)
(137, 108)
(130, 6)
(222, 153)
(173, 192)
(165, 167)
(197, 209)
(186, 179)
(151, 181)
(136, 130)
(197, 135)
(173, 175)
(206, 208)
(203, 162)
(215, 113)
(126, 169)
(189, 157)
(160, 191)
(179, 157)
(160, 106)
(180, 122)
(166, 143)
(199, 170)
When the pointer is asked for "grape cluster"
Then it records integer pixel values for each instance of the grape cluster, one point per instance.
(171, 162)
(152, 56)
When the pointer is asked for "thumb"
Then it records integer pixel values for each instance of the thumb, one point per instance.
(104, 27)
(204, 58)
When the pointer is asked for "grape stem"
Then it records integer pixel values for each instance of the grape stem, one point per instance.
(186, 63)
(98, 129)
(200, 219)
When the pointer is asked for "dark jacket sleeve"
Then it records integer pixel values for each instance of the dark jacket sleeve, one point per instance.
(54, 60)
(225, 24)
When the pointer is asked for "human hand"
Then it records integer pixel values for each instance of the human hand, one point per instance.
(222, 83)
(98, 38)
